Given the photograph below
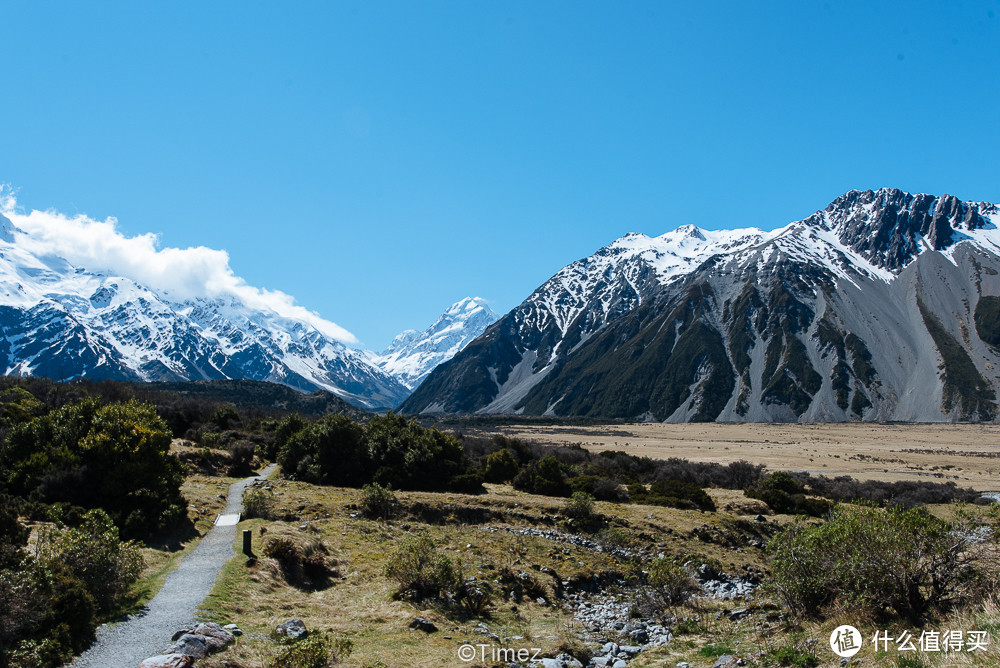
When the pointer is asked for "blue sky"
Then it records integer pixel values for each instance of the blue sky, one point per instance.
(380, 160)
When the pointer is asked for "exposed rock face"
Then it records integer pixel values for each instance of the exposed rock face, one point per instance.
(867, 310)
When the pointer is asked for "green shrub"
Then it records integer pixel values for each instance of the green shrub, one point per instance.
(896, 559)
(712, 651)
(46, 615)
(543, 476)
(669, 582)
(672, 494)
(94, 553)
(317, 650)
(378, 501)
(688, 626)
(114, 457)
(501, 466)
(784, 494)
(241, 456)
(580, 507)
(788, 655)
(388, 450)
(468, 483)
(423, 571)
(260, 503)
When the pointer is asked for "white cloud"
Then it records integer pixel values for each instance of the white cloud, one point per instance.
(181, 273)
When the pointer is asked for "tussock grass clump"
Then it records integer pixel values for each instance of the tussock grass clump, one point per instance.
(303, 564)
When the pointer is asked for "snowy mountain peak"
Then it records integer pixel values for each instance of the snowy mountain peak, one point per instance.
(63, 319)
(466, 307)
(889, 228)
(880, 307)
(412, 356)
(7, 229)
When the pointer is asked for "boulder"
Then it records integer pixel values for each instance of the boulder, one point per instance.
(168, 661)
(726, 661)
(234, 629)
(293, 628)
(191, 645)
(421, 624)
(216, 637)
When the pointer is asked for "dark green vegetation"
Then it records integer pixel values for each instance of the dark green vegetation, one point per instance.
(900, 561)
(52, 599)
(255, 397)
(795, 493)
(965, 389)
(667, 350)
(86, 464)
(113, 457)
(393, 452)
(389, 450)
(987, 319)
(671, 493)
(784, 494)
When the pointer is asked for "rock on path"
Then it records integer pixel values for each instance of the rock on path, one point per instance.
(127, 644)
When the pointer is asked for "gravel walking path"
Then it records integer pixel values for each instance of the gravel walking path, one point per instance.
(126, 644)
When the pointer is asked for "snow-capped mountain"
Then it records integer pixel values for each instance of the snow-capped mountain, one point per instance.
(412, 355)
(65, 321)
(884, 306)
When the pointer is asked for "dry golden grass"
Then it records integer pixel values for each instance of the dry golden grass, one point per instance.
(360, 605)
(968, 454)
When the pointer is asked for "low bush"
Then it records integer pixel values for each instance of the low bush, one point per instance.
(673, 494)
(670, 581)
(580, 507)
(898, 560)
(259, 502)
(317, 650)
(94, 554)
(500, 466)
(785, 494)
(789, 655)
(543, 476)
(241, 457)
(378, 501)
(422, 570)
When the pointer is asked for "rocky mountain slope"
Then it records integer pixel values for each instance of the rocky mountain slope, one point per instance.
(65, 321)
(412, 355)
(883, 306)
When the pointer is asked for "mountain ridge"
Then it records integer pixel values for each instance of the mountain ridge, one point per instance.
(784, 325)
(65, 322)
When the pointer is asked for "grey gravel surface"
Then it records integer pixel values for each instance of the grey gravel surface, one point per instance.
(145, 634)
